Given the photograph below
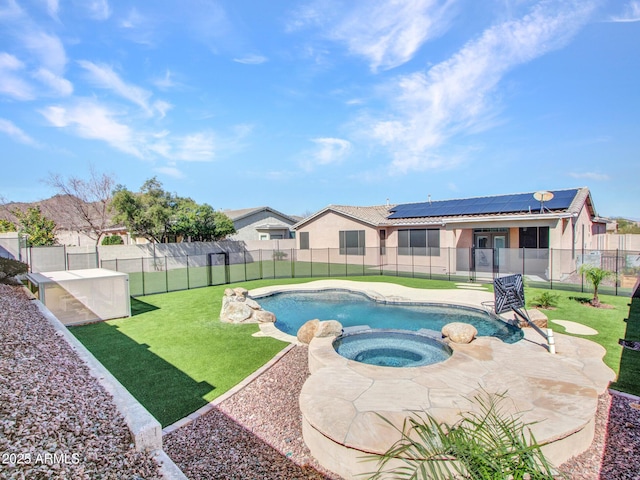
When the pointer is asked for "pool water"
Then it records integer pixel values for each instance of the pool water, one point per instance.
(293, 309)
(391, 348)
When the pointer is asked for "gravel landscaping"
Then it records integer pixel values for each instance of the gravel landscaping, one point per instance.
(257, 434)
(56, 420)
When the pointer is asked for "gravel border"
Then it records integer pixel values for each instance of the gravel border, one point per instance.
(257, 434)
(56, 420)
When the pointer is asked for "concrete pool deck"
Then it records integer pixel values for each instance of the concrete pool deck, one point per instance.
(341, 400)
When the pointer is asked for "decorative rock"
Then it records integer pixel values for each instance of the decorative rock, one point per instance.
(329, 328)
(237, 308)
(307, 331)
(251, 303)
(241, 292)
(458, 332)
(316, 328)
(263, 316)
(236, 312)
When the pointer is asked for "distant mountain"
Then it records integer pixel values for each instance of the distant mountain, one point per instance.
(55, 208)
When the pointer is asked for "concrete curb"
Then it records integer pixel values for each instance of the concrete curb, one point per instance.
(218, 400)
(624, 395)
(145, 429)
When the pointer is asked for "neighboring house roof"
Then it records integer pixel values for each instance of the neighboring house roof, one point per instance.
(273, 226)
(374, 215)
(521, 206)
(247, 212)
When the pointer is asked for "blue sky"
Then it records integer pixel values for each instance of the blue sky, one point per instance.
(301, 104)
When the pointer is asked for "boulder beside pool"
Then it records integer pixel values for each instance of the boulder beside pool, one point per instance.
(238, 308)
(316, 328)
(458, 332)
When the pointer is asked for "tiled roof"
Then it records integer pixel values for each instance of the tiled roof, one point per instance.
(378, 215)
(245, 212)
(374, 215)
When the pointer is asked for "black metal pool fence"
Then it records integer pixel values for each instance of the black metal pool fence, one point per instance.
(545, 268)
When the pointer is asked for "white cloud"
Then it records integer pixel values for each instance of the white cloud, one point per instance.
(89, 119)
(631, 13)
(103, 76)
(386, 33)
(97, 9)
(170, 172)
(327, 151)
(166, 82)
(196, 147)
(456, 96)
(140, 28)
(11, 83)
(251, 59)
(590, 176)
(58, 85)
(52, 7)
(162, 107)
(7, 127)
(133, 20)
(10, 10)
(48, 49)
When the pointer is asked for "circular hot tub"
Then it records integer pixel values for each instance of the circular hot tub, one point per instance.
(391, 348)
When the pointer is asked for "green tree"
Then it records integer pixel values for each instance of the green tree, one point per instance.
(147, 213)
(40, 229)
(7, 226)
(594, 276)
(158, 215)
(200, 222)
(224, 226)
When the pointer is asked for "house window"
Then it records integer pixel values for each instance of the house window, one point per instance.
(304, 240)
(264, 236)
(351, 242)
(383, 242)
(419, 242)
(534, 237)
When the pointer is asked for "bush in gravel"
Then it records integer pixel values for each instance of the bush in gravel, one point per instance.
(9, 269)
(485, 445)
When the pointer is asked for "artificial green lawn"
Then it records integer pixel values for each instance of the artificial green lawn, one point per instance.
(174, 355)
(608, 322)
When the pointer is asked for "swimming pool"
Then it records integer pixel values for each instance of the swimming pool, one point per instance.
(293, 309)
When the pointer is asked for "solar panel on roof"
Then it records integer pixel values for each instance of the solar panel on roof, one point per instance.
(521, 202)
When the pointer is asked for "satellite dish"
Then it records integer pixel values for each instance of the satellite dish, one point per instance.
(543, 196)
